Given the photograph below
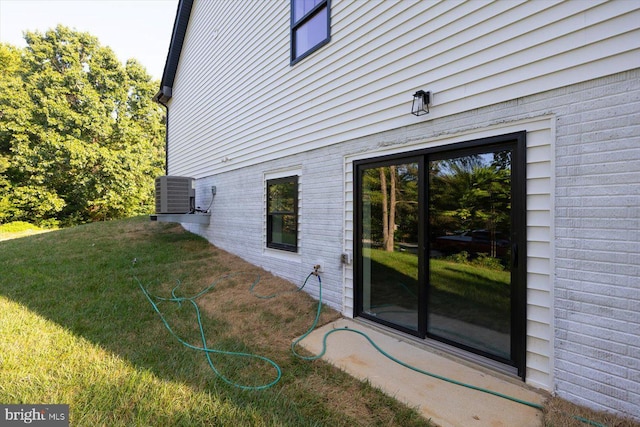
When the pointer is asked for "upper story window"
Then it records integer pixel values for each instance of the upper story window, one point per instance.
(310, 27)
(282, 213)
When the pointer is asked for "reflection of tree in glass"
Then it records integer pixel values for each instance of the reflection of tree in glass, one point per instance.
(393, 195)
(281, 197)
(471, 193)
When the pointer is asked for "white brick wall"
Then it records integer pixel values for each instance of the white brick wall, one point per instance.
(597, 285)
(591, 343)
(238, 220)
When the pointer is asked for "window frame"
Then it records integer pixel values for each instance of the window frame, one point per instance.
(278, 245)
(297, 24)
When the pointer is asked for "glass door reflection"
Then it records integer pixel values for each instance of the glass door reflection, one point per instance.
(469, 296)
(390, 221)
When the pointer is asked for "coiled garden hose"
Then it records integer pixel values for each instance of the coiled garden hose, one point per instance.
(205, 348)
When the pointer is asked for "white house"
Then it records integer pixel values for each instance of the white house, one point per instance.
(502, 226)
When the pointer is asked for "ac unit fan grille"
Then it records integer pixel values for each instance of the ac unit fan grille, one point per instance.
(175, 195)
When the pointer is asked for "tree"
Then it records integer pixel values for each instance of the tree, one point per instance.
(9, 67)
(80, 137)
(388, 208)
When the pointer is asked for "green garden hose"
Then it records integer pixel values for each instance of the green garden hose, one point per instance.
(208, 351)
(406, 365)
(390, 357)
(204, 348)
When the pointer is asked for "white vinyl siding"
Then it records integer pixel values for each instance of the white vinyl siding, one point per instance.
(540, 137)
(238, 102)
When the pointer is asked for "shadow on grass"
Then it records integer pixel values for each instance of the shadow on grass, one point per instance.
(83, 279)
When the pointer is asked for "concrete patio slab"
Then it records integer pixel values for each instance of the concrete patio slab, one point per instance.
(444, 403)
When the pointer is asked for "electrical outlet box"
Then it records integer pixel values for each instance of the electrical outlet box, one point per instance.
(213, 190)
(346, 258)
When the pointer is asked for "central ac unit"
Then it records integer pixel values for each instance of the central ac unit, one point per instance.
(175, 195)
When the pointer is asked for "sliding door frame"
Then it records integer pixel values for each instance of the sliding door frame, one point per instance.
(516, 142)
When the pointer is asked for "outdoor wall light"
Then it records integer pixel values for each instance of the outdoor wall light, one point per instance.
(421, 101)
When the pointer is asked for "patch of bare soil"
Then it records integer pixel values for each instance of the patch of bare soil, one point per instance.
(266, 309)
(270, 312)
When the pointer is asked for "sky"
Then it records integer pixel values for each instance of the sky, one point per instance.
(139, 29)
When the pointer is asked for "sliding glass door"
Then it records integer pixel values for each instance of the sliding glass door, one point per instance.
(440, 245)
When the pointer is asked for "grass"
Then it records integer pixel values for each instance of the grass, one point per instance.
(78, 330)
(471, 293)
(560, 413)
(394, 277)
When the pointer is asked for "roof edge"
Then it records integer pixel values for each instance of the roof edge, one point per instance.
(180, 24)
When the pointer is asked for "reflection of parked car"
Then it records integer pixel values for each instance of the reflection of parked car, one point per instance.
(473, 242)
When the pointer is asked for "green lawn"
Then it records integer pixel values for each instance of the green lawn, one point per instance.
(77, 329)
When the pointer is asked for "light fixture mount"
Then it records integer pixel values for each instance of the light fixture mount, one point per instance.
(421, 100)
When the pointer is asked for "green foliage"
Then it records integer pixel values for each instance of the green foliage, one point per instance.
(80, 137)
(405, 216)
(481, 260)
(461, 257)
(17, 226)
(468, 193)
(486, 261)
